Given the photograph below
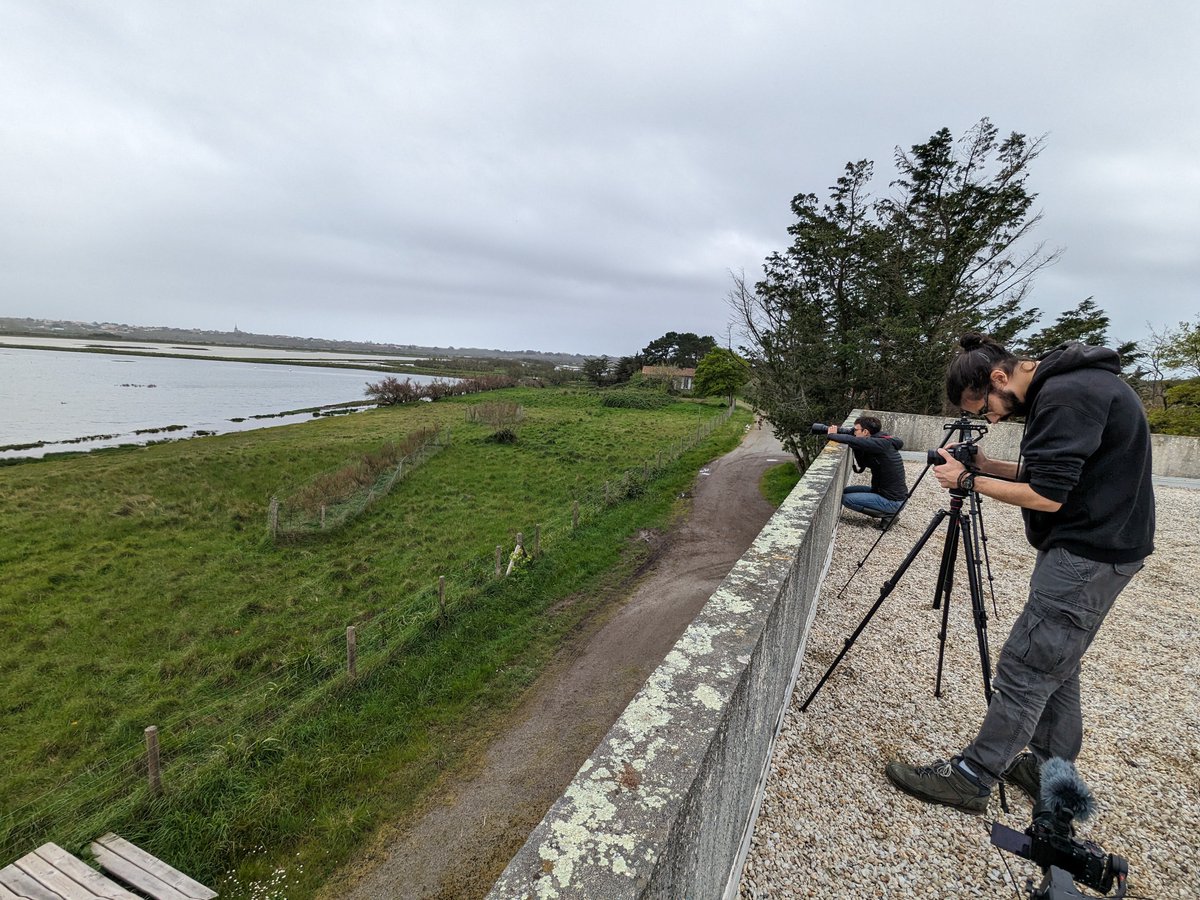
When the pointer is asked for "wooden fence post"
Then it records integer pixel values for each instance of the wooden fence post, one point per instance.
(351, 652)
(499, 557)
(322, 516)
(153, 769)
(273, 517)
(575, 514)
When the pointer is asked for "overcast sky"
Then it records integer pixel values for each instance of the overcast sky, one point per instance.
(576, 177)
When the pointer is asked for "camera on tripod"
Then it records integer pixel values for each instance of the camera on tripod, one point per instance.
(820, 428)
(1050, 840)
(965, 453)
(966, 449)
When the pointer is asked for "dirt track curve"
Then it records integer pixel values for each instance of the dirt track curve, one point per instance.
(474, 826)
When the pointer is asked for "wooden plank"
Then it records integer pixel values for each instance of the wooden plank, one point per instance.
(55, 883)
(133, 875)
(23, 886)
(146, 873)
(81, 873)
(5, 893)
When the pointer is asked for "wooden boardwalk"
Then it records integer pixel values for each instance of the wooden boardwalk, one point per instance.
(51, 873)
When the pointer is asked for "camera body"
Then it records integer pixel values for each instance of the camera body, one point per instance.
(965, 453)
(820, 428)
(1053, 843)
(1050, 840)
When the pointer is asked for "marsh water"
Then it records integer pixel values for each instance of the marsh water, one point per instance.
(81, 401)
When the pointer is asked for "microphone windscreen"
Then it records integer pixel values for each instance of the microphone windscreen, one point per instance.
(1064, 791)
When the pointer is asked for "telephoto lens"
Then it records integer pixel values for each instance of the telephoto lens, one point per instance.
(821, 428)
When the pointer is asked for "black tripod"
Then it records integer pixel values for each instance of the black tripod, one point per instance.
(959, 532)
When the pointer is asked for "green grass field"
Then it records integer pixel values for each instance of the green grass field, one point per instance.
(140, 587)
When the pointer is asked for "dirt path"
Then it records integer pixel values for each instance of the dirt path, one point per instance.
(461, 844)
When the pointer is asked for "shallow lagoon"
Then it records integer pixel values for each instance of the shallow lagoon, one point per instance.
(58, 397)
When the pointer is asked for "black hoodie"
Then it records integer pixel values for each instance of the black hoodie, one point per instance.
(881, 454)
(1087, 446)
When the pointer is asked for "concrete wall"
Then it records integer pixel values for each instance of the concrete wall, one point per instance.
(1171, 455)
(666, 804)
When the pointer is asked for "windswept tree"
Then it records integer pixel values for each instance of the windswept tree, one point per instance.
(596, 369)
(865, 306)
(674, 349)
(1183, 348)
(720, 373)
(1087, 323)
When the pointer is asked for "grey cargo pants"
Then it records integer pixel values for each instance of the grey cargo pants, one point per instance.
(1035, 693)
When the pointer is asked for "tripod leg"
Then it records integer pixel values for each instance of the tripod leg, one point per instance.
(945, 585)
(979, 610)
(978, 607)
(888, 587)
(946, 569)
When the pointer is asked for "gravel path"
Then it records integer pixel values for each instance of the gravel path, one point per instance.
(831, 825)
(475, 822)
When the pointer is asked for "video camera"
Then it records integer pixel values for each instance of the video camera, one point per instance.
(819, 428)
(966, 449)
(1050, 840)
(965, 453)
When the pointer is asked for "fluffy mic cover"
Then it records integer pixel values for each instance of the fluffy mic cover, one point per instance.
(1064, 791)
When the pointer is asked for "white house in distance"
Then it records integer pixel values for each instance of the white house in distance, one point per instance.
(681, 379)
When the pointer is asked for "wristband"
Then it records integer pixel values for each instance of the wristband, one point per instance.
(966, 481)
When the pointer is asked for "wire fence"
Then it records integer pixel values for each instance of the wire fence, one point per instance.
(334, 498)
(240, 727)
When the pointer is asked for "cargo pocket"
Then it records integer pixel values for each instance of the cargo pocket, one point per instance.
(1128, 570)
(1058, 622)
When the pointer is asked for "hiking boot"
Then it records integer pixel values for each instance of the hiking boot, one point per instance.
(943, 782)
(885, 522)
(1026, 773)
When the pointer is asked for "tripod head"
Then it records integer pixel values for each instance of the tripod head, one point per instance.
(964, 425)
(965, 448)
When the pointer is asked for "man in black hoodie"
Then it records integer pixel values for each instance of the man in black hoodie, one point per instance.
(1084, 489)
(881, 454)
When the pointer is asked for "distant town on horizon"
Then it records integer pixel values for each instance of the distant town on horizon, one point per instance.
(31, 327)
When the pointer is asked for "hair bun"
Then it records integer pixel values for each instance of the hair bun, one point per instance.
(971, 342)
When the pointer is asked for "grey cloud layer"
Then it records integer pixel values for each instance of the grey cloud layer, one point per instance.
(549, 175)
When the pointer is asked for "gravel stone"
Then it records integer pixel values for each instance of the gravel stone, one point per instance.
(831, 825)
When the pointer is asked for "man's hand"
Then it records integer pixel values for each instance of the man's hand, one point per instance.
(832, 429)
(948, 471)
(1016, 493)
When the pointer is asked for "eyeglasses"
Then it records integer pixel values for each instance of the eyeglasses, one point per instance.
(984, 411)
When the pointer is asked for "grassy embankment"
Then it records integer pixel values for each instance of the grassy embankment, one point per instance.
(777, 482)
(140, 588)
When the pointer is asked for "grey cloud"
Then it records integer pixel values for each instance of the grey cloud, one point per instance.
(525, 174)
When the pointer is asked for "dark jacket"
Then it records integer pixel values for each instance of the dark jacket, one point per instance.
(881, 454)
(1087, 446)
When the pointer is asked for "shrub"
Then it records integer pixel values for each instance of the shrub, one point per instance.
(392, 390)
